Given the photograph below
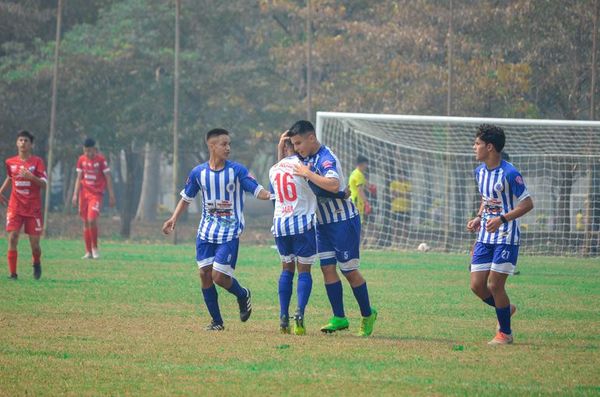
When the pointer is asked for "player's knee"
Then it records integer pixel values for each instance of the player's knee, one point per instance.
(288, 266)
(206, 274)
(479, 289)
(220, 279)
(13, 240)
(495, 287)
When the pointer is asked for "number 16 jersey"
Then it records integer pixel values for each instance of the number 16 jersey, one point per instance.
(295, 202)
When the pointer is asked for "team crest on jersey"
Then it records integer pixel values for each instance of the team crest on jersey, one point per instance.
(519, 180)
(230, 187)
(498, 187)
(327, 164)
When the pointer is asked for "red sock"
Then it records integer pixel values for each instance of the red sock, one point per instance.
(12, 261)
(87, 236)
(94, 234)
(36, 257)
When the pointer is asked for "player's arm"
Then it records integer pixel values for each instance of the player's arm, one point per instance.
(263, 195)
(77, 188)
(281, 146)
(2, 189)
(110, 188)
(332, 185)
(25, 173)
(523, 207)
(474, 224)
(170, 223)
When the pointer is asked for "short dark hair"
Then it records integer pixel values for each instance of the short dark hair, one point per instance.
(287, 143)
(301, 127)
(491, 134)
(89, 142)
(361, 159)
(26, 134)
(216, 132)
(505, 156)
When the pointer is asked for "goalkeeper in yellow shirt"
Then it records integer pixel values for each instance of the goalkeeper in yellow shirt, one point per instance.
(357, 184)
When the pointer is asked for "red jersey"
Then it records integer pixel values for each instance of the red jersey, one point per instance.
(91, 171)
(25, 197)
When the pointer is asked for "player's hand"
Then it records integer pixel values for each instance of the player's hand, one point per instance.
(168, 226)
(25, 173)
(493, 224)
(111, 201)
(301, 170)
(74, 201)
(368, 208)
(474, 224)
(347, 193)
(281, 145)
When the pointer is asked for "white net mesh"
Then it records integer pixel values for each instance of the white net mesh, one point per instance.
(422, 171)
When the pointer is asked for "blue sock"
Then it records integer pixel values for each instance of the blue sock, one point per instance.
(211, 299)
(490, 301)
(504, 319)
(362, 297)
(304, 289)
(236, 289)
(336, 298)
(286, 285)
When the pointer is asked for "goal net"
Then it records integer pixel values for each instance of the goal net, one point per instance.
(424, 191)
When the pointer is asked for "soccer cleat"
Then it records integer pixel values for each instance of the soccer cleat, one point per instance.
(299, 324)
(213, 326)
(95, 253)
(13, 276)
(513, 310)
(501, 339)
(245, 306)
(88, 255)
(284, 325)
(335, 324)
(366, 324)
(37, 271)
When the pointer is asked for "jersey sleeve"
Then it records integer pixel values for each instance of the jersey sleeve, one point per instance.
(191, 187)
(327, 167)
(517, 184)
(104, 165)
(248, 182)
(40, 170)
(78, 166)
(8, 172)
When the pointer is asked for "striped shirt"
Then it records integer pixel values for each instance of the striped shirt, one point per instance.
(222, 199)
(295, 202)
(501, 189)
(330, 210)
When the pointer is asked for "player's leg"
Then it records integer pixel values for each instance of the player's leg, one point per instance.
(223, 268)
(504, 263)
(87, 235)
(13, 227)
(481, 263)
(286, 280)
(333, 284)
(205, 255)
(305, 249)
(34, 227)
(93, 214)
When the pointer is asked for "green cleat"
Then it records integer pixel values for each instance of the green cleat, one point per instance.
(299, 324)
(366, 324)
(335, 324)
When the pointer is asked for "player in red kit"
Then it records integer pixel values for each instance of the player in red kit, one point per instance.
(27, 175)
(93, 176)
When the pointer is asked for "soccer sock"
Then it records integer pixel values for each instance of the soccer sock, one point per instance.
(490, 301)
(503, 315)
(361, 293)
(87, 237)
(94, 236)
(236, 289)
(36, 256)
(12, 261)
(304, 289)
(336, 298)
(286, 283)
(211, 299)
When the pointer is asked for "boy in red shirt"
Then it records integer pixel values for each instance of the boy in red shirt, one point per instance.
(93, 176)
(27, 175)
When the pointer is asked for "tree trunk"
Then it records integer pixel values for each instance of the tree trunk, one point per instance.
(131, 190)
(146, 210)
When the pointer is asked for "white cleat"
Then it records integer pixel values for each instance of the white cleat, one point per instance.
(87, 256)
(95, 253)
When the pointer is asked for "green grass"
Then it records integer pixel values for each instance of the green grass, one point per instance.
(131, 324)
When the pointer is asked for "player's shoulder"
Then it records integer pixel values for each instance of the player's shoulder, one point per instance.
(325, 157)
(237, 167)
(509, 169)
(11, 160)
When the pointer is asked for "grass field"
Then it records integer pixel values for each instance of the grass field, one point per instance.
(132, 324)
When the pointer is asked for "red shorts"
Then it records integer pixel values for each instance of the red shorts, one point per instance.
(33, 224)
(89, 206)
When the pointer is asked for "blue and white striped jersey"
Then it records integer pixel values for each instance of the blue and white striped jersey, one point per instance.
(501, 190)
(330, 210)
(295, 202)
(222, 199)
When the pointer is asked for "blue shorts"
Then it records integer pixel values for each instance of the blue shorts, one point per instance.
(340, 242)
(222, 257)
(302, 246)
(499, 258)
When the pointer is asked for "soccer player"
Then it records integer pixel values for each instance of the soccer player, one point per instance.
(338, 227)
(223, 184)
(294, 223)
(93, 176)
(357, 184)
(504, 199)
(27, 175)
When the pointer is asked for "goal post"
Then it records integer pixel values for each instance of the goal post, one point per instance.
(425, 191)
